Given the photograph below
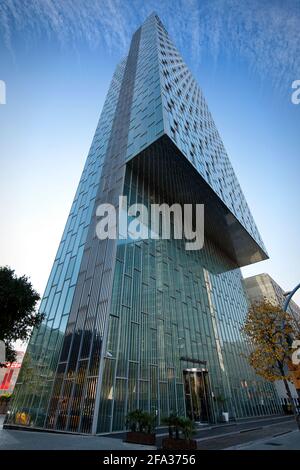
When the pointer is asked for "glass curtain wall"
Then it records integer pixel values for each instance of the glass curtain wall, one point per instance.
(168, 305)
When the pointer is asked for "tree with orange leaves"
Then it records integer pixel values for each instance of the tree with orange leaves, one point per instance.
(270, 330)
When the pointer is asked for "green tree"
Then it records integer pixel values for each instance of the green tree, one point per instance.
(270, 330)
(18, 315)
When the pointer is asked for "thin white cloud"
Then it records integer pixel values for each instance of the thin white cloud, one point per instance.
(265, 33)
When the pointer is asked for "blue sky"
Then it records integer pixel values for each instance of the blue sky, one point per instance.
(57, 59)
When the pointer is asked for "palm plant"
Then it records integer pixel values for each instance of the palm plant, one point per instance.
(173, 423)
(141, 421)
(148, 422)
(187, 427)
(134, 420)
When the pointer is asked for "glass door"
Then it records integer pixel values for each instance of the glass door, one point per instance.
(197, 394)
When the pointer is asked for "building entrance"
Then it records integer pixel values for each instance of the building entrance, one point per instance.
(197, 394)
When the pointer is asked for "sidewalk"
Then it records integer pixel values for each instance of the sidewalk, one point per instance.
(221, 436)
(252, 435)
(262, 433)
(288, 441)
(30, 440)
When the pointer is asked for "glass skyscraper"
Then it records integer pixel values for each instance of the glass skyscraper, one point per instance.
(146, 323)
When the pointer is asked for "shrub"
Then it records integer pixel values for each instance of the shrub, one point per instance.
(141, 421)
(173, 423)
(188, 428)
(179, 424)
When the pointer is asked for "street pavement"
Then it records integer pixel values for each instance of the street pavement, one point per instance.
(255, 432)
(287, 441)
(29, 440)
(265, 433)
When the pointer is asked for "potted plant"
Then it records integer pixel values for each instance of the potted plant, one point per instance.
(141, 426)
(188, 429)
(173, 422)
(222, 405)
(179, 426)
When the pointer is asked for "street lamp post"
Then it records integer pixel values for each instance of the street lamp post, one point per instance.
(288, 297)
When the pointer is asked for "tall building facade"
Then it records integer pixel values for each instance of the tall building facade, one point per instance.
(145, 323)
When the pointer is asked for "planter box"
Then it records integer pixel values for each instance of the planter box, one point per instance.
(140, 438)
(178, 444)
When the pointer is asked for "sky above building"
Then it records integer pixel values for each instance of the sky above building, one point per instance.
(57, 59)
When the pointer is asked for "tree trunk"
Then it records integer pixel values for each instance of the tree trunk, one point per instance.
(288, 392)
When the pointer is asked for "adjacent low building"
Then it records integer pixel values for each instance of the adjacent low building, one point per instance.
(263, 287)
(9, 374)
